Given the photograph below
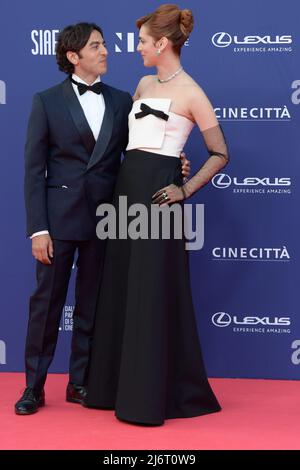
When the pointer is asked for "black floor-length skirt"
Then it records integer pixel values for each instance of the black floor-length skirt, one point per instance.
(146, 361)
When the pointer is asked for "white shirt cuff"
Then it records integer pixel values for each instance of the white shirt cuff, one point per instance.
(42, 232)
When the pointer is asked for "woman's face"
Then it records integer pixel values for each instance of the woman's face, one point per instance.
(146, 47)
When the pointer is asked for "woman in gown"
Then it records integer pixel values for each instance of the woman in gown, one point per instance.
(146, 361)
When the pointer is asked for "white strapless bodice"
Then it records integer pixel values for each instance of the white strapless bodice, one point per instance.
(153, 134)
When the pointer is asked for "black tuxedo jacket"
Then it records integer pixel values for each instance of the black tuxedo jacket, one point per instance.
(67, 173)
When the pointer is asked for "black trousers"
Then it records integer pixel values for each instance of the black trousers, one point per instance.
(46, 306)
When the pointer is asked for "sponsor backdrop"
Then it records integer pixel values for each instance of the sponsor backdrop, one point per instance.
(245, 274)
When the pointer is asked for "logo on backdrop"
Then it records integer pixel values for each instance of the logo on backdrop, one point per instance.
(127, 42)
(44, 41)
(67, 318)
(2, 352)
(222, 253)
(296, 353)
(267, 113)
(253, 43)
(252, 324)
(2, 92)
(295, 97)
(253, 184)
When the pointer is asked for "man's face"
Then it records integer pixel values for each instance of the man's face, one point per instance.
(92, 57)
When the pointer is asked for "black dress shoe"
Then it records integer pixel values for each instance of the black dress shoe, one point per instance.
(75, 393)
(30, 402)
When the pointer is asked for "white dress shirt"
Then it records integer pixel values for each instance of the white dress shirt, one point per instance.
(93, 106)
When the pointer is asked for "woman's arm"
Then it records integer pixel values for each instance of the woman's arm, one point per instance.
(204, 115)
(202, 112)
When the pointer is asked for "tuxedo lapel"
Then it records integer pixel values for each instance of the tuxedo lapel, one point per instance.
(78, 116)
(106, 129)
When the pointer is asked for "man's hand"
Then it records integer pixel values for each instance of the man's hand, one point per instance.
(42, 248)
(186, 165)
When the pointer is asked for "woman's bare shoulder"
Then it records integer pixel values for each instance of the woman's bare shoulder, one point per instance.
(199, 105)
(144, 82)
(192, 87)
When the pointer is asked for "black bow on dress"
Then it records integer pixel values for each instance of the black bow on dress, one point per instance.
(145, 110)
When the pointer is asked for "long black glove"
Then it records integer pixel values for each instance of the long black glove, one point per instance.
(217, 149)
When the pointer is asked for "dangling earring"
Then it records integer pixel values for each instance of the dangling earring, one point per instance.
(158, 52)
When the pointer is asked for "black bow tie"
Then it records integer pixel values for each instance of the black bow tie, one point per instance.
(145, 110)
(82, 88)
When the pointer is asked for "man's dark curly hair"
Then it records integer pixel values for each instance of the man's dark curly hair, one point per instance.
(73, 38)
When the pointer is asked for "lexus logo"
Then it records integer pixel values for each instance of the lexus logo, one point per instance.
(221, 181)
(221, 319)
(221, 39)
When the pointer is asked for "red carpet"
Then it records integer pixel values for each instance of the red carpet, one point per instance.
(257, 414)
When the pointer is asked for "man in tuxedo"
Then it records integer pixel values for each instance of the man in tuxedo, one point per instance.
(76, 134)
